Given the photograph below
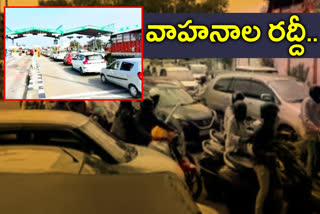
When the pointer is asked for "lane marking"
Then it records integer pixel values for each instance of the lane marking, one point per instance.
(88, 94)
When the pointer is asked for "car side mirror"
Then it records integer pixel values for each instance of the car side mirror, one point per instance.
(267, 98)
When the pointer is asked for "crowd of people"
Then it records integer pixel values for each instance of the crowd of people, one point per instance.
(247, 145)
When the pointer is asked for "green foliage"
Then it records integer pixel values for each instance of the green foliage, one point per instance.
(54, 3)
(299, 72)
(74, 44)
(227, 62)
(150, 6)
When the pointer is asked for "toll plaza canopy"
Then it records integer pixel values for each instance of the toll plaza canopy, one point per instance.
(88, 30)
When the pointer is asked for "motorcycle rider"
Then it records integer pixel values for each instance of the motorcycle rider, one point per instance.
(310, 115)
(237, 95)
(145, 120)
(199, 92)
(123, 123)
(240, 153)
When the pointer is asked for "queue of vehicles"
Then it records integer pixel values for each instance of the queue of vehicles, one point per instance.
(124, 72)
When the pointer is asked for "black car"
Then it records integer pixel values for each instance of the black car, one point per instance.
(193, 117)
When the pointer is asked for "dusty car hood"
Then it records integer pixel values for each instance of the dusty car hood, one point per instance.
(36, 159)
(121, 194)
(149, 161)
(191, 112)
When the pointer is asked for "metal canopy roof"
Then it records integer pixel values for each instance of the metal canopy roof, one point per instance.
(88, 30)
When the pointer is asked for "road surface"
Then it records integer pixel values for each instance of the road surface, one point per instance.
(54, 80)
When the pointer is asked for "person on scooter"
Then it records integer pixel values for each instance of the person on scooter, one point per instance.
(123, 123)
(145, 121)
(237, 95)
(310, 115)
(202, 87)
(239, 153)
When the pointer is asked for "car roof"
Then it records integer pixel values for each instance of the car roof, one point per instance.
(258, 68)
(89, 53)
(130, 59)
(43, 117)
(154, 82)
(263, 77)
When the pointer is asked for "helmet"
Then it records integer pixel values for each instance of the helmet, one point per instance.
(237, 95)
(314, 93)
(147, 105)
(269, 111)
(154, 96)
(240, 110)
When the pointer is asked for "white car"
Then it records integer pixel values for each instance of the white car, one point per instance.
(181, 74)
(258, 88)
(259, 69)
(88, 63)
(42, 141)
(125, 73)
(59, 56)
(198, 70)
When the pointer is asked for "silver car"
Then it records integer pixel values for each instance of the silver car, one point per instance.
(258, 88)
(41, 141)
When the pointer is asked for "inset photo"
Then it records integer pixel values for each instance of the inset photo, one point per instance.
(73, 53)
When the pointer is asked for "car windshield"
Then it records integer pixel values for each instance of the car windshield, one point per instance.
(117, 149)
(172, 96)
(290, 90)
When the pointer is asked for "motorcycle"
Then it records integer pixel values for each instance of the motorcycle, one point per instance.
(290, 189)
(173, 145)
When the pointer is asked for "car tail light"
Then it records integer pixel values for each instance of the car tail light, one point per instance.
(85, 61)
(140, 75)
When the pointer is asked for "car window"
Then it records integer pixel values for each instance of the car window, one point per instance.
(259, 88)
(115, 65)
(40, 137)
(95, 57)
(246, 86)
(126, 66)
(223, 85)
(242, 85)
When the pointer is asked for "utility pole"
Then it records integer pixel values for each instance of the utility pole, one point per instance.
(6, 3)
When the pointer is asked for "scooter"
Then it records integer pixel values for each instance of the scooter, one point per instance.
(290, 189)
(176, 149)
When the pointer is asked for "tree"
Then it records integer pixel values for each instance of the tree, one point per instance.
(214, 6)
(300, 72)
(54, 3)
(149, 6)
(74, 44)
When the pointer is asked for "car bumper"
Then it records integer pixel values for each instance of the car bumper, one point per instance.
(93, 68)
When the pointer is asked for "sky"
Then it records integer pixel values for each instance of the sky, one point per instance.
(235, 6)
(17, 18)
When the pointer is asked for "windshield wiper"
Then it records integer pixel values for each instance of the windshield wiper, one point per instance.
(68, 153)
(299, 100)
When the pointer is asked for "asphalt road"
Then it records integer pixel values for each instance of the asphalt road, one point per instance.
(54, 80)
(16, 73)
